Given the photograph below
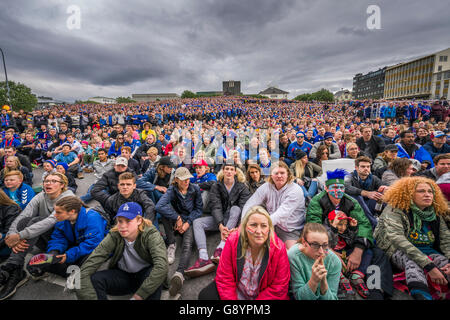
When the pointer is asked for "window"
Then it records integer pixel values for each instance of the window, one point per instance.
(439, 76)
(439, 68)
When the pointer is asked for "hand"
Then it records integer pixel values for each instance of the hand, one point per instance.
(184, 227)
(354, 260)
(446, 269)
(374, 195)
(63, 258)
(178, 223)
(21, 246)
(437, 276)
(300, 182)
(336, 219)
(12, 240)
(161, 189)
(353, 222)
(136, 297)
(383, 189)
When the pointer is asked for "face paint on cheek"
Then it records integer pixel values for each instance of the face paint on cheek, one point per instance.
(251, 230)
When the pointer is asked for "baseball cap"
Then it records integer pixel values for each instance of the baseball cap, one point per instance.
(165, 161)
(182, 173)
(391, 147)
(129, 210)
(416, 164)
(332, 216)
(122, 161)
(438, 134)
(201, 162)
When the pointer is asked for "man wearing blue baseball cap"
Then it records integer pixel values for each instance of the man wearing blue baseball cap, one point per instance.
(299, 144)
(438, 144)
(139, 260)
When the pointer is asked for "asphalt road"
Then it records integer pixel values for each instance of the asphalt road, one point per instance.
(52, 288)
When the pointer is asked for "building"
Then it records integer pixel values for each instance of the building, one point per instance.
(231, 88)
(151, 97)
(343, 95)
(369, 85)
(103, 100)
(48, 101)
(426, 77)
(209, 93)
(274, 93)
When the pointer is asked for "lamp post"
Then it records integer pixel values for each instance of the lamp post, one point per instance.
(6, 77)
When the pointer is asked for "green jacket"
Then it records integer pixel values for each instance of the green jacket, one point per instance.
(392, 234)
(320, 206)
(150, 247)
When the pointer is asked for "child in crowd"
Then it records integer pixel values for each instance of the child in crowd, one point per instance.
(49, 167)
(343, 231)
(88, 152)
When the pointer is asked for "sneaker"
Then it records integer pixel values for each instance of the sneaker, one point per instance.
(216, 256)
(345, 286)
(360, 287)
(80, 175)
(17, 278)
(88, 170)
(171, 253)
(200, 268)
(176, 283)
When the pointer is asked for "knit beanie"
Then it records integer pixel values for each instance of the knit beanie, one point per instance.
(64, 165)
(52, 162)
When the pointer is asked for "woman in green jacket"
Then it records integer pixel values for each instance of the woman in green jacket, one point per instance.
(413, 233)
(138, 263)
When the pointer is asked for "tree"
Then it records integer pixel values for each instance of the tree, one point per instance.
(188, 94)
(321, 95)
(21, 96)
(124, 100)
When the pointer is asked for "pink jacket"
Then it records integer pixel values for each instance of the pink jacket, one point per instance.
(274, 283)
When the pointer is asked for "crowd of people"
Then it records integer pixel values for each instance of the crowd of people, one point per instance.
(250, 170)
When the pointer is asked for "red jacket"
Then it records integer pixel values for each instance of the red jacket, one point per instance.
(274, 283)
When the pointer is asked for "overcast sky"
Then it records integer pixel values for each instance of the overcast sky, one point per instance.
(125, 47)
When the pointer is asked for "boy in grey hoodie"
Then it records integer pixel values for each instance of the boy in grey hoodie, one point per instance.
(33, 226)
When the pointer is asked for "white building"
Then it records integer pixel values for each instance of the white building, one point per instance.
(274, 93)
(343, 95)
(151, 97)
(103, 100)
(441, 76)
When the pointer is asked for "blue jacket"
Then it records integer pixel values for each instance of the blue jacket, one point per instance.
(306, 147)
(90, 229)
(22, 196)
(172, 204)
(421, 154)
(433, 151)
(205, 178)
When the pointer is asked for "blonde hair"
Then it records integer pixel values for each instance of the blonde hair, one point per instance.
(152, 150)
(61, 176)
(281, 164)
(145, 223)
(239, 174)
(299, 168)
(243, 233)
(401, 193)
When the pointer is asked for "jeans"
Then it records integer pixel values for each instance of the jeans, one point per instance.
(311, 191)
(87, 197)
(117, 282)
(366, 208)
(208, 223)
(186, 247)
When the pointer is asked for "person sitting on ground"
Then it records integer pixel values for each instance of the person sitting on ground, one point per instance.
(226, 199)
(70, 158)
(365, 187)
(13, 164)
(353, 151)
(254, 263)
(441, 167)
(399, 168)
(438, 145)
(76, 234)
(343, 231)
(157, 180)
(321, 155)
(115, 149)
(49, 166)
(33, 226)
(133, 164)
(370, 144)
(151, 160)
(408, 149)
(413, 233)
(299, 144)
(335, 198)
(179, 207)
(9, 210)
(254, 178)
(63, 168)
(138, 263)
(315, 269)
(332, 147)
(10, 151)
(18, 191)
(384, 159)
(107, 185)
(128, 193)
(285, 202)
(205, 181)
(306, 173)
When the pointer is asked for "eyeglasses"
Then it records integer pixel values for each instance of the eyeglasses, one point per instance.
(317, 246)
(52, 181)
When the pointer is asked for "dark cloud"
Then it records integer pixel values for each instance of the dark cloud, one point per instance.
(161, 46)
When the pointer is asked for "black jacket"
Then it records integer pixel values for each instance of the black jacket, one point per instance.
(354, 188)
(139, 196)
(7, 216)
(221, 201)
(108, 182)
(376, 146)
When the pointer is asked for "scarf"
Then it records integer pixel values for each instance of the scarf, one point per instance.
(421, 215)
(365, 184)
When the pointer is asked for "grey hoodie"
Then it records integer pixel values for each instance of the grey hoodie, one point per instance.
(40, 206)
